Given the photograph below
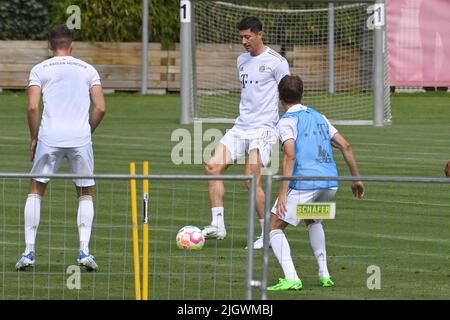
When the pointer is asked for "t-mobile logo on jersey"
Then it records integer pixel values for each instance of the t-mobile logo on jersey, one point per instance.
(244, 78)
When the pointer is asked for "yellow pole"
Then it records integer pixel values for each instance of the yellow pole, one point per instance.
(145, 210)
(134, 218)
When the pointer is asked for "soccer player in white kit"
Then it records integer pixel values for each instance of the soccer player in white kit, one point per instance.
(67, 85)
(253, 134)
(307, 137)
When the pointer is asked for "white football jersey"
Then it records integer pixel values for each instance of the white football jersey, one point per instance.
(259, 77)
(65, 83)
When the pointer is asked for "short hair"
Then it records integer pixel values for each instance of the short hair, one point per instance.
(290, 89)
(61, 37)
(250, 22)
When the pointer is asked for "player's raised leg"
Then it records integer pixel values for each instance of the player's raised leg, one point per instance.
(217, 165)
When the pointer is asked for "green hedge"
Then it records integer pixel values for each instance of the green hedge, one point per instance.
(101, 20)
(165, 21)
(24, 19)
(121, 20)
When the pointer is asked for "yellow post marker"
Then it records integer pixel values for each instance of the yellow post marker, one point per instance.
(145, 257)
(134, 219)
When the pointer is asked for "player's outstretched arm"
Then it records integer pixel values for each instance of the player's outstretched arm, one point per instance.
(99, 110)
(339, 142)
(447, 169)
(34, 97)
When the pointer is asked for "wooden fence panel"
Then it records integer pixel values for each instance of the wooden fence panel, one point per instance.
(119, 65)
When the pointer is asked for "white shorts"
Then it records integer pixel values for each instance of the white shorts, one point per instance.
(302, 196)
(47, 160)
(240, 142)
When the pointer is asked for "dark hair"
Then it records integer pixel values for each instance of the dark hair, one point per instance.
(290, 89)
(61, 37)
(250, 22)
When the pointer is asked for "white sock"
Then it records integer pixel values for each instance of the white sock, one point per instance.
(217, 217)
(317, 240)
(84, 221)
(261, 221)
(282, 251)
(32, 215)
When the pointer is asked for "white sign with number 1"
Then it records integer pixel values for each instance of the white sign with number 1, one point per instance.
(378, 15)
(185, 11)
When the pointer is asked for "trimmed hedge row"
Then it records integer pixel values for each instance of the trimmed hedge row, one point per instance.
(101, 20)
(121, 20)
(24, 19)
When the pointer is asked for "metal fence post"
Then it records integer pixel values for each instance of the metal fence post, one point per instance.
(250, 236)
(144, 57)
(266, 238)
(186, 61)
(378, 81)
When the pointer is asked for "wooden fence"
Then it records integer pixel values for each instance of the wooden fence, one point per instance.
(119, 65)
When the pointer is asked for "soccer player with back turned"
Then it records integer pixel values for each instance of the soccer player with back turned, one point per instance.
(67, 85)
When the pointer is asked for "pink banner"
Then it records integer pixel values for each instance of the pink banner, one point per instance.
(419, 42)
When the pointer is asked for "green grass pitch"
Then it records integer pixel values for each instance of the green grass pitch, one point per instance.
(402, 228)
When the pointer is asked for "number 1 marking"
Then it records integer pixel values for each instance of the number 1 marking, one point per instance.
(185, 11)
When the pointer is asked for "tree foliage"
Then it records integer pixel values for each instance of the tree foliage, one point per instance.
(24, 19)
(121, 20)
(103, 20)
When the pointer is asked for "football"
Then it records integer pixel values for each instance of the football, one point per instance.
(190, 238)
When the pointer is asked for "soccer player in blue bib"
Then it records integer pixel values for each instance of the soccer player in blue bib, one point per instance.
(307, 138)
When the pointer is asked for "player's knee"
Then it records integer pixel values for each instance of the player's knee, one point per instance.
(212, 169)
(84, 191)
(309, 223)
(254, 169)
(276, 223)
(259, 187)
(274, 233)
(209, 169)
